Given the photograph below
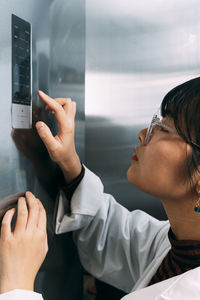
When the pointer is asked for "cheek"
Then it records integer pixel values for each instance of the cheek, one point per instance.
(161, 172)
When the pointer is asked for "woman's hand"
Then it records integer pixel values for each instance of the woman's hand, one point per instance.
(61, 148)
(23, 250)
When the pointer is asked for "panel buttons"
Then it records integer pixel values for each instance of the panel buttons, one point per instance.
(21, 69)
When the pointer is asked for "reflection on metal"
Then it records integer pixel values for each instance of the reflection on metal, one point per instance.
(58, 68)
(135, 53)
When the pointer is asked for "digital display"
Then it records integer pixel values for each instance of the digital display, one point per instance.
(21, 61)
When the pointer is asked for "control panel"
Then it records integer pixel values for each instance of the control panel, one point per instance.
(21, 73)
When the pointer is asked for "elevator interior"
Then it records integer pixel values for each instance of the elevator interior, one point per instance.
(134, 52)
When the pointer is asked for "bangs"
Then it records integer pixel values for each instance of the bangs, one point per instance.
(182, 104)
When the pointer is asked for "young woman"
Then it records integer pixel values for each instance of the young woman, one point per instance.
(132, 250)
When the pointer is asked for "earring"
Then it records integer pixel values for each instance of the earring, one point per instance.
(197, 205)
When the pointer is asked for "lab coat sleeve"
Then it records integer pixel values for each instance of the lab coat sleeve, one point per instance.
(182, 287)
(21, 295)
(114, 245)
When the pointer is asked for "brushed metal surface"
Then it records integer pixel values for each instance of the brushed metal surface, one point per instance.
(135, 53)
(58, 66)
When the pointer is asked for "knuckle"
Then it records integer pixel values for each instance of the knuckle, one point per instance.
(43, 135)
(40, 205)
(56, 105)
(22, 212)
(5, 238)
(29, 236)
(41, 235)
(34, 214)
(58, 108)
(32, 202)
(43, 214)
(4, 225)
(46, 250)
(36, 203)
(54, 150)
(5, 220)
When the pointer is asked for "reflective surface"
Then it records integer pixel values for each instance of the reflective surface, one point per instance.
(58, 65)
(135, 53)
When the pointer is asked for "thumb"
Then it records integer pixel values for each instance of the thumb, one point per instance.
(45, 135)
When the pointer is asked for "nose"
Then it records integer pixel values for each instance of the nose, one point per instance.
(141, 135)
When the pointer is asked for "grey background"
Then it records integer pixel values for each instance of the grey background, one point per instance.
(136, 51)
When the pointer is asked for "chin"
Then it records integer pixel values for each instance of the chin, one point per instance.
(134, 178)
(130, 176)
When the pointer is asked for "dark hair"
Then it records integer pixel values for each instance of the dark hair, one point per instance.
(182, 104)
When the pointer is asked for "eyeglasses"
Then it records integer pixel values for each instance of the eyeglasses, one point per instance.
(157, 123)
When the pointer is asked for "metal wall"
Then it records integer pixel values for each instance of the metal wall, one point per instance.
(136, 51)
(58, 64)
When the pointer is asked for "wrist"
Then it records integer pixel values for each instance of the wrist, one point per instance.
(71, 168)
(9, 286)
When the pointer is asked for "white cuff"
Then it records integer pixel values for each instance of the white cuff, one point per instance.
(86, 200)
(21, 295)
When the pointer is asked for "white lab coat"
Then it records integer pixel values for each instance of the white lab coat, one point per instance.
(182, 287)
(119, 247)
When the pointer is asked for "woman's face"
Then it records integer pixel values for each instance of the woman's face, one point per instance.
(160, 168)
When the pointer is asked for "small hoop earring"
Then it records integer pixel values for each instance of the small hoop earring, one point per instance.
(197, 205)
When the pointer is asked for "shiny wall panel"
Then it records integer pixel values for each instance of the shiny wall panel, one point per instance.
(58, 65)
(13, 173)
(135, 53)
(67, 52)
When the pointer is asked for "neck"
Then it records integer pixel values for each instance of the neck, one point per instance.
(184, 221)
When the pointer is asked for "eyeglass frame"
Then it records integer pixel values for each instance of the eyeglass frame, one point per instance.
(156, 121)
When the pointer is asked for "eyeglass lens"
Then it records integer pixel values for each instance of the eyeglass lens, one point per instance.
(150, 128)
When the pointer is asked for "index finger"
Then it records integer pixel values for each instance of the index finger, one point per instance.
(53, 104)
(66, 103)
(56, 107)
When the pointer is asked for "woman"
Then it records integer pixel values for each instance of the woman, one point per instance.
(132, 250)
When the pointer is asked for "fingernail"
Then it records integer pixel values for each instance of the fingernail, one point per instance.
(21, 198)
(12, 210)
(42, 93)
(39, 125)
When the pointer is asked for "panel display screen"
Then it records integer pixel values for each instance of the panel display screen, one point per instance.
(21, 61)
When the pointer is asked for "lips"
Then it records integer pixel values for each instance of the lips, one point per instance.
(134, 156)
